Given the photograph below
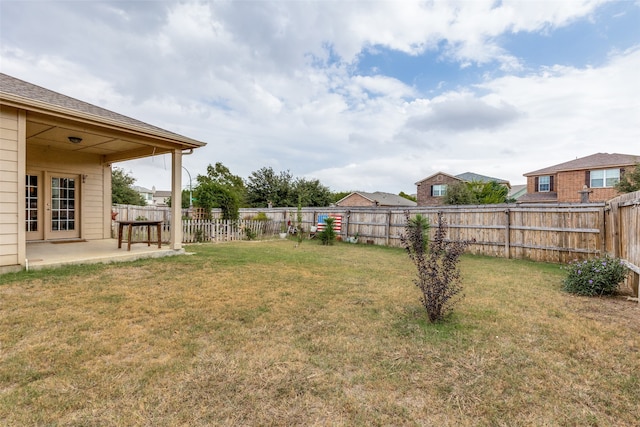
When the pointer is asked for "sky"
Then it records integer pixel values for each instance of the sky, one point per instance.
(361, 95)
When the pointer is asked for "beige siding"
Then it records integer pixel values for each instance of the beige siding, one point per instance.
(9, 181)
(90, 170)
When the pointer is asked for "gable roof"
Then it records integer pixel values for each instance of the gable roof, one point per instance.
(468, 177)
(162, 193)
(594, 161)
(141, 189)
(21, 94)
(383, 199)
(437, 173)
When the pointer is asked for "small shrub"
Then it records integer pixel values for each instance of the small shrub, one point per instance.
(328, 235)
(198, 235)
(250, 234)
(437, 264)
(597, 276)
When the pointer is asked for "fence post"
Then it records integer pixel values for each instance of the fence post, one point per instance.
(387, 226)
(615, 229)
(603, 231)
(507, 234)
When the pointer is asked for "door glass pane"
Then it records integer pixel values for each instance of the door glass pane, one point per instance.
(31, 203)
(62, 204)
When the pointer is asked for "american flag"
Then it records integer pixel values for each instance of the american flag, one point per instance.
(337, 222)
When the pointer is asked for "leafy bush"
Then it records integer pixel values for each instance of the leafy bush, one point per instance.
(328, 234)
(261, 216)
(250, 234)
(437, 264)
(597, 276)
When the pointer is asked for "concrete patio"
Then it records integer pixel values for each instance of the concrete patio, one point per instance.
(48, 254)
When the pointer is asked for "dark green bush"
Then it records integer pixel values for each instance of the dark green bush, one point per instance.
(597, 276)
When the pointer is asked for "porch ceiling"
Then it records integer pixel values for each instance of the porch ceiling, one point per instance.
(113, 144)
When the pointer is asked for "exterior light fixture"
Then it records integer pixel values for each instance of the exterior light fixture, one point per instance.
(75, 139)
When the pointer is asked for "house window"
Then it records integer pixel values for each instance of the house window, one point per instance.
(604, 178)
(544, 183)
(438, 190)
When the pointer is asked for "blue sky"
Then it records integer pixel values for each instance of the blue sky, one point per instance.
(362, 95)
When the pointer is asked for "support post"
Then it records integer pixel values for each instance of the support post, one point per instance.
(175, 232)
(507, 234)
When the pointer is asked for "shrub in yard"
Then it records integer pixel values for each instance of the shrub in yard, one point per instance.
(597, 276)
(437, 264)
(328, 235)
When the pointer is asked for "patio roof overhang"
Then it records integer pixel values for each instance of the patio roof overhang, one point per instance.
(115, 139)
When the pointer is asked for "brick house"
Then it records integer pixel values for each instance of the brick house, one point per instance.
(431, 190)
(593, 178)
(378, 199)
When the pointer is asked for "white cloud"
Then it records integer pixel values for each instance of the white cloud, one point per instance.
(274, 84)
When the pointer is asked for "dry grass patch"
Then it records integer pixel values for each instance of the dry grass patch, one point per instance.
(269, 334)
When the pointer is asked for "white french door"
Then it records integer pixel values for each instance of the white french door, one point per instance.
(52, 206)
(34, 206)
(62, 209)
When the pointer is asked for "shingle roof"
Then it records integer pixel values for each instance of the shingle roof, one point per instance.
(34, 94)
(547, 196)
(470, 177)
(386, 199)
(598, 160)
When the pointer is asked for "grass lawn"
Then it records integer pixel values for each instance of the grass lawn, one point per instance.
(264, 333)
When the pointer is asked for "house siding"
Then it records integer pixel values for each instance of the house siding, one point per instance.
(92, 203)
(568, 186)
(573, 182)
(424, 189)
(10, 178)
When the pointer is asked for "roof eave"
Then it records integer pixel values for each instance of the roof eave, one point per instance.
(50, 109)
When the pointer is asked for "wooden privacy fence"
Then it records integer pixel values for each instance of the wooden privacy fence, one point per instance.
(540, 232)
(622, 233)
(554, 233)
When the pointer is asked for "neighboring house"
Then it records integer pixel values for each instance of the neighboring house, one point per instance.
(161, 197)
(378, 199)
(56, 154)
(432, 189)
(517, 191)
(592, 178)
(146, 194)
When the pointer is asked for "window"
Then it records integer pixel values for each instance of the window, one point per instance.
(544, 183)
(604, 178)
(438, 190)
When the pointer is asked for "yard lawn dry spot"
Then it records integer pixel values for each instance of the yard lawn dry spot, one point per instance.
(269, 334)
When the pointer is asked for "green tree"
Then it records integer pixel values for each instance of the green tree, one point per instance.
(311, 193)
(264, 186)
(459, 193)
(408, 196)
(122, 191)
(476, 193)
(630, 181)
(492, 193)
(185, 199)
(219, 188)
